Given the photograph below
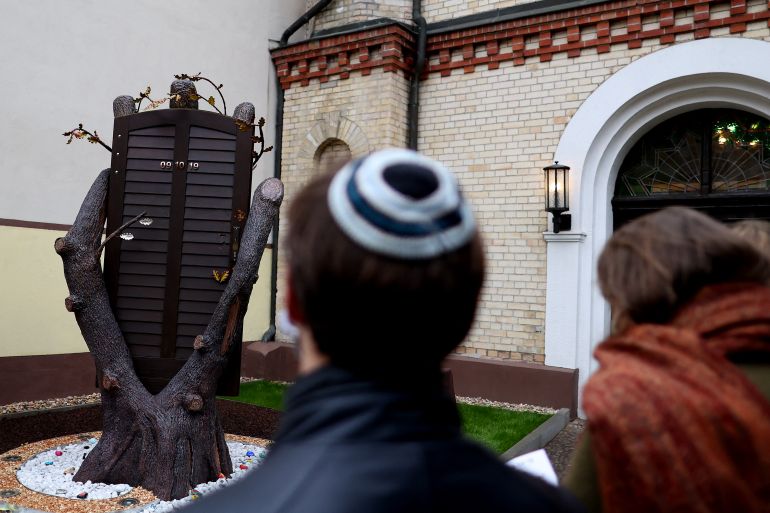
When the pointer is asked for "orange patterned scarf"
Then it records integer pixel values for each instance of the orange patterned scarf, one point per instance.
(675, 426)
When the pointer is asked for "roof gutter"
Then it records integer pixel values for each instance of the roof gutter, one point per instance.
(278, 159)
(413, 113)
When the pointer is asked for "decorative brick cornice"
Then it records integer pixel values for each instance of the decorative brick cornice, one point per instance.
(389, 47)
(599, 26)
(571, 31)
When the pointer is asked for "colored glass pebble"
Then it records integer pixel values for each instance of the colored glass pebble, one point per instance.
(82, 495)
(250, 454)
(58, 453)
(244, 467)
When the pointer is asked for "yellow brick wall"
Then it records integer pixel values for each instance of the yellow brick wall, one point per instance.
(497, 130)
(344, 12)
(440, 10)
(365, 112)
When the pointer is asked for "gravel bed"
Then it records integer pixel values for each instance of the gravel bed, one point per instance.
(94, 398)
(561, 448)
(478, 401)
(39, 476)
(47, 404)
(77, 400)
(51, 471)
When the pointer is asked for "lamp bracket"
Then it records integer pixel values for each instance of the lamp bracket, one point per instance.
(561, 221)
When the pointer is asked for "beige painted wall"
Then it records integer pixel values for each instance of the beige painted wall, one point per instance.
(33, 320)
(32, 315)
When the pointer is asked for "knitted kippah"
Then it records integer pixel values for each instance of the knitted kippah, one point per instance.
(400, 204)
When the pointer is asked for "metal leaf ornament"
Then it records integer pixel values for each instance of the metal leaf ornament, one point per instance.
(220, 276)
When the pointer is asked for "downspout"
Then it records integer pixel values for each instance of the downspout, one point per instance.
(277, 160)
(419, 66)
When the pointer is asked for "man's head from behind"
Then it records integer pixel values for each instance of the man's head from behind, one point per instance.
(385, 264)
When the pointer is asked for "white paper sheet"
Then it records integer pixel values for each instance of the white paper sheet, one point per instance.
(537, 464)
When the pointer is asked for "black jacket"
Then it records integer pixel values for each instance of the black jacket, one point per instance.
(351, 446)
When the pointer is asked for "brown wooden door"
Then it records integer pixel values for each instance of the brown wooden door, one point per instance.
(190, 171)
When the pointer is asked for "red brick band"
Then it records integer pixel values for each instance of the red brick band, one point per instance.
(628, 22)
(389, 48)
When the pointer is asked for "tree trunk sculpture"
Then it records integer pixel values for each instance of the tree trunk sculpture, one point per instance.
(172, 441)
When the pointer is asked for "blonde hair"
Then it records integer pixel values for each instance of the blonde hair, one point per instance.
(654, 265)
(755, 231)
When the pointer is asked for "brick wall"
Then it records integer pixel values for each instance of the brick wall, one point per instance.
(497, 129)
(497, 122)
(439, 10)
(494, 102)
(344, 12)
(366, 114)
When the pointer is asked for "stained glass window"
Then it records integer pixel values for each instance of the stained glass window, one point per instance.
(699, 153)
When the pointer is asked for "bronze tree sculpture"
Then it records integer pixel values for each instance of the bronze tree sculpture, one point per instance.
(171, 441)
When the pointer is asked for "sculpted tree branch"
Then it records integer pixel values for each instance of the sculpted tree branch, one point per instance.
(172, 441)
(122, 227)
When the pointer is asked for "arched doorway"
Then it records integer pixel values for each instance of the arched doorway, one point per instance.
(711, 73)
(713, 160)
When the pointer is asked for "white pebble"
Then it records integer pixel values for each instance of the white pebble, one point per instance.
(56, 480)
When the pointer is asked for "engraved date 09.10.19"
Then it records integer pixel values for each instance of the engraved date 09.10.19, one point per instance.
(179, 164)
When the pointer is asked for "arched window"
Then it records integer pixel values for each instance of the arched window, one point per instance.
(331, 154)
(715, 160)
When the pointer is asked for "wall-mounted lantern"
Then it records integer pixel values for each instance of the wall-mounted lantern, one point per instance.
(557, 195)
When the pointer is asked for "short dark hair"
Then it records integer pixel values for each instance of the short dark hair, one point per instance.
(654, 265)
(370, 312)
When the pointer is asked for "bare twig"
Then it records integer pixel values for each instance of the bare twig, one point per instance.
(80, 133)
(210, 101)
(113, 234)
(255, 156)
(142, 96)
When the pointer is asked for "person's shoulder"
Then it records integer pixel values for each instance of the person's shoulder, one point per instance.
(342, 478)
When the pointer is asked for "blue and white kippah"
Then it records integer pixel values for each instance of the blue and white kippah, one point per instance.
(401, 204)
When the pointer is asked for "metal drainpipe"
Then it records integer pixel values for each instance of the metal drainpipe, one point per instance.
(277, 160)
(419, 65)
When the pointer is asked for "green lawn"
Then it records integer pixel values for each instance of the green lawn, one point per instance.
(496, 428)
(261, 393)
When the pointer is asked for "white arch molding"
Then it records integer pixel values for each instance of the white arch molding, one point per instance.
(713, 72)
